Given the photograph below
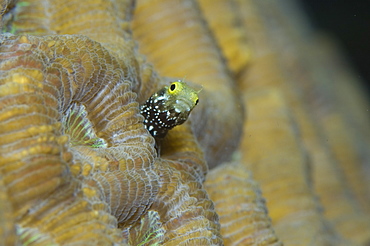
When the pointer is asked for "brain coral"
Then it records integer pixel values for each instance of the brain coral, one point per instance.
(77, 166)
(77, 163)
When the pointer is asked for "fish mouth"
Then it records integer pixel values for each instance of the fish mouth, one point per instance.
(183, 105)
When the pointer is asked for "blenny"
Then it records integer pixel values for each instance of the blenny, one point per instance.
(168, 107)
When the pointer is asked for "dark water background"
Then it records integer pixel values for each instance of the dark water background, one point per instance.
(348, 22)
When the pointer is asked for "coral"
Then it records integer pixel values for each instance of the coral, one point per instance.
(240, 205)
(291, 201)
(227, 27)
(75, 152)
(187, 49)
(77, 165)
(292, 70)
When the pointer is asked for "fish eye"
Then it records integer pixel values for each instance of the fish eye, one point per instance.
(196, 102)
(172, 87)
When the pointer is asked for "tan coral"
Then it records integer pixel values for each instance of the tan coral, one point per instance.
(293, 74)
(71, 128)
(239, 203)
(127, 186)
(7, 228)
(281, 168)
(341, 183)
(116, 180)
(40, 149)
(189, 212)
(183, 48)
(308, 81)
(224, 19)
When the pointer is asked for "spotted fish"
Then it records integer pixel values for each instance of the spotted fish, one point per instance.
(168, 107)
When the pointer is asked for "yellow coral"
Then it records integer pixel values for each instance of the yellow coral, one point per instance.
(77, 165)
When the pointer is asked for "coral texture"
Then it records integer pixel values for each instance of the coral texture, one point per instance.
(78, 167)
(240, 205)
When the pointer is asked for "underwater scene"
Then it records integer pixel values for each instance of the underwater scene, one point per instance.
(179, 122)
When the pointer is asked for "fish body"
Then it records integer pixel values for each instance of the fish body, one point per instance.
(168, 107)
